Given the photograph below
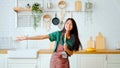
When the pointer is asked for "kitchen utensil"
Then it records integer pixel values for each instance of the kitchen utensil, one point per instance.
(55, 20)
(78, 5)
(62, 4)
(46, 20)
(88, 6)
(47, 16)
(90, 43)
(61, 24)
(100, 41)
(49, 5)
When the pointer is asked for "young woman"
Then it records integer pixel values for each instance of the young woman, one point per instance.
(67, 41)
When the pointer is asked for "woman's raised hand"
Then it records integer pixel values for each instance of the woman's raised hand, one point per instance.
(21, 38)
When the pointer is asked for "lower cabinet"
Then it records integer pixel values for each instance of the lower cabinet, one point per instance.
(73, 61)
(113, 61)
(3, 61)
(22, 63)
(91, 61)
(44, 61)
(22, 66)
(76, 61)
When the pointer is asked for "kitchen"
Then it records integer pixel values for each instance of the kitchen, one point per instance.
(103, 16)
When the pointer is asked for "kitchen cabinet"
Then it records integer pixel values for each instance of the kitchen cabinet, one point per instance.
(73, 61)
(92, 61)
(22, 63)
(3, 61)
(44, 61)
(113, 60)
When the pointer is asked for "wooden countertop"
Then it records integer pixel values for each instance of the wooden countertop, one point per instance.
(48, 51)
(2, 51)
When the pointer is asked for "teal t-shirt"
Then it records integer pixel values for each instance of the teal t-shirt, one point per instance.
(57, 36)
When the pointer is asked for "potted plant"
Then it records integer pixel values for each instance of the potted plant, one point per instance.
(37, 12)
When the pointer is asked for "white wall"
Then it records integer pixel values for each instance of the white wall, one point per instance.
(105, 19)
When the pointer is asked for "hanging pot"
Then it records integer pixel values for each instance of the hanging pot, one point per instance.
(55, 20)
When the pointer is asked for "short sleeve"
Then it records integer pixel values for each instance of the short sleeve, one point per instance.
(53, 36)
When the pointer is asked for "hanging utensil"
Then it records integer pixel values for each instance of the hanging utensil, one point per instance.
(49, 5)
(78, 5)
(46, 20)
(88, 6)
(60, 26)
(55, 20)
(62, 4)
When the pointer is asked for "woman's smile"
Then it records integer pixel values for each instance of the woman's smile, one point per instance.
(68, 25)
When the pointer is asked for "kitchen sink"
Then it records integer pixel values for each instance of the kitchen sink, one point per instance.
(22, 53)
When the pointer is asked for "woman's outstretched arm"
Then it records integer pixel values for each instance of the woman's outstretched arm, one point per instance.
(39, 37)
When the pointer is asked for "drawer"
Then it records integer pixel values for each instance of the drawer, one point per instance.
(22, 61)
(113, 66)
(113, 58)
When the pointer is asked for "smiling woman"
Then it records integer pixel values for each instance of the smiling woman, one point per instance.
(66, 41)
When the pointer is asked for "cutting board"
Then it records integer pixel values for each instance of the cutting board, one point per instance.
(90, 43)
(100, 41)
(78, 5)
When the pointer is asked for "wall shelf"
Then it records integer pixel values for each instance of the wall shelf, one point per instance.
(20, 9)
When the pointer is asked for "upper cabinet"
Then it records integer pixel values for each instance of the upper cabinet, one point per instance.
(92, 61)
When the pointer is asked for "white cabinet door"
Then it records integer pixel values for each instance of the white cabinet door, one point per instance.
(73, 61)
(22, 66)
(44, 61)
(113, 60)
(113, 66)
(22, 63)
(3, 61)
(92, 61)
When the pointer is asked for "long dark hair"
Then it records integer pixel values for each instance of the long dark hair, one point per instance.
(73, 32)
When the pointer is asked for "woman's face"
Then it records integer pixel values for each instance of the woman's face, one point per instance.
(68, 25)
